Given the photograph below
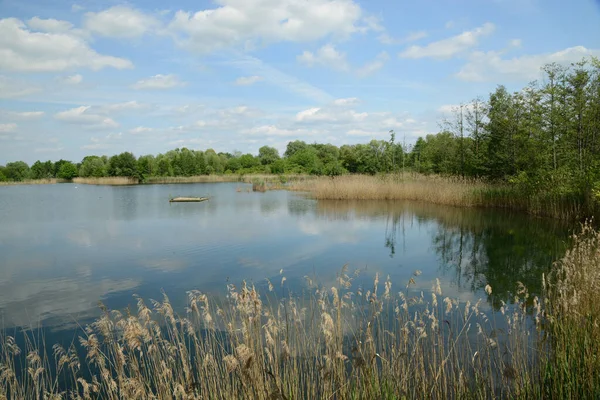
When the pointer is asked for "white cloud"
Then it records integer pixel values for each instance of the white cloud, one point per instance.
(159, 82)
(25, 51)
(5, 128)
(10, 88)
(350, 101)
(71, 79)
(373, 66)
(411, 37)
(120, 22)
(450, 24)
(248, 80)
(84, 117)
(49, 25)
(48, 149)
(77, 8)
(274, 131)
(245, 22)
(22, 115)
(331, 115)
(276, 77)
(449, 47)
(125, 106)
(140, 130)
(483, 66)
(363, 133)
(326, 56)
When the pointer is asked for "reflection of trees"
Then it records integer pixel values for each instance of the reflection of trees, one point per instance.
(474, 247)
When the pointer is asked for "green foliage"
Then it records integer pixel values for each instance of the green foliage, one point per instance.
(124, 164)
(43, 170)
(268, 155)
(17, 171)
(3, 177)
(93, 167)
(68, 171)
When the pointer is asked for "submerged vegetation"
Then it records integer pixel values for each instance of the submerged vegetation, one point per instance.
(340, 341)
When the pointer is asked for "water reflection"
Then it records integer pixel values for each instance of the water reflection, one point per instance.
(474, 247)
(63, 249)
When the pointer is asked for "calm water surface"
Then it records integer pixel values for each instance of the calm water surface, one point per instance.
(64, 248)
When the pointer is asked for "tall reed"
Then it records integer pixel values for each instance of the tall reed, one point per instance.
(109, 180)
(49, 181)
(342, 341)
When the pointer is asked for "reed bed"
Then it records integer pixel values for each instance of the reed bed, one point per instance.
(340, 341)
(452, 191)
(49, 181)
(112, 180)
(433, 189)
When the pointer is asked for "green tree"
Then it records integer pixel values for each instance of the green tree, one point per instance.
(124, 164)
(68, 171)
(294, 147)
(16, 171)
(93, 166)
(268, 155)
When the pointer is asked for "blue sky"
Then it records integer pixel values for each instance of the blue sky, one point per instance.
(100, 77)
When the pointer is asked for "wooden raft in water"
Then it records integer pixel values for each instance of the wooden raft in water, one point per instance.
(187, 199)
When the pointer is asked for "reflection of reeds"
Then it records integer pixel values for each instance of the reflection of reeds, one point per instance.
(49, 181)
(341, 342)
(109, 180)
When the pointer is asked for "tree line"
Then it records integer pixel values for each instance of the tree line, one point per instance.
(299, 158)
(545, 137)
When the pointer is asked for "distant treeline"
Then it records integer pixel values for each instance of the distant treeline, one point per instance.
(543, 138)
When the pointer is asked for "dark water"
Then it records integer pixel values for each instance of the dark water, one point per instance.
(64, 248)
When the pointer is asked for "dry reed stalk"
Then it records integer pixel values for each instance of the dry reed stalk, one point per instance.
(49, 181)
(113, 180)
(335, 341)
(437, 190)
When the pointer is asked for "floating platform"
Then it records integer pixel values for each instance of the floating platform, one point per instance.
(187, 199)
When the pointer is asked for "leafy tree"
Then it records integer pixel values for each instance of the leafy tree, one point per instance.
(16, 171)
(42, 170)
(68, 170)
(124, 164)
(249, 161)
(93, 166)
(294, 147)
(268, 155)
(3, 177)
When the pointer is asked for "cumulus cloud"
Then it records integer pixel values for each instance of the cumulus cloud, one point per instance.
(120, 22)
(237, 22)
(85, 117)
(326, 56)
(49, 25)
(450, 47)
(139, 130)
(248, 80)
(25, 51)
(159, 82)
(491, 65)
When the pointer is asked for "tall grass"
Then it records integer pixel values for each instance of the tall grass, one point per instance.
(433, 189)
(340, 341)
(112, 180)
(49, 181)
(453, 191)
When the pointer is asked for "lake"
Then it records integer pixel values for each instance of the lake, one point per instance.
(66, 247)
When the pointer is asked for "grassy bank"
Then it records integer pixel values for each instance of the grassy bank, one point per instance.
(446, 191)
(335, 341)
(33, 182)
